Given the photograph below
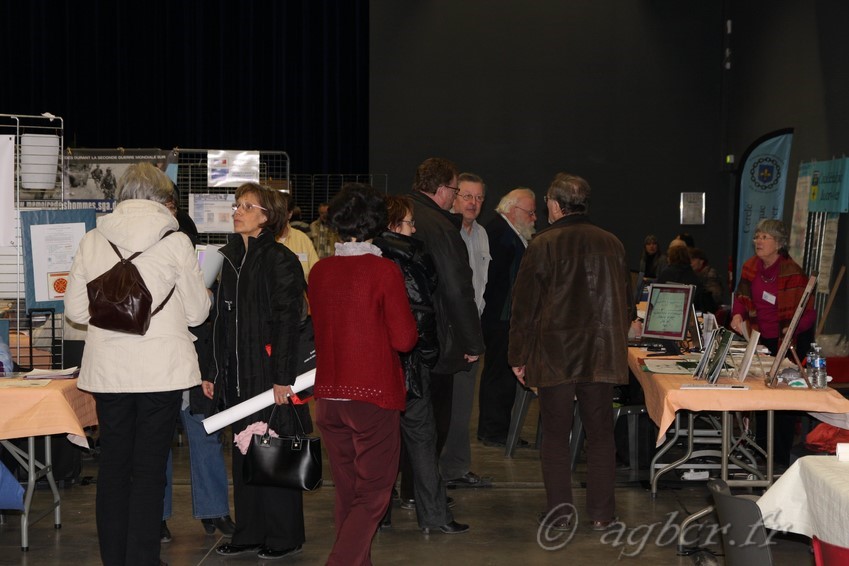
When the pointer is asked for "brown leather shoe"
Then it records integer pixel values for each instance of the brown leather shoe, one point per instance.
(603, 525)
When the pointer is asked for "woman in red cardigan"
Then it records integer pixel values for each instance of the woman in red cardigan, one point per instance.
(362, 319)
(770, 288)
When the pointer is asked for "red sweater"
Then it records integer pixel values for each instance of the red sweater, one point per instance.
(362, 319)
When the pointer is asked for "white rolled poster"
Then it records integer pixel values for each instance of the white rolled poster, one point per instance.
(254, 404)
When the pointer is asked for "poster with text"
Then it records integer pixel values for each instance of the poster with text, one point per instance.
(91, 175)
(50, 240)
(212, 213)
(232, 168)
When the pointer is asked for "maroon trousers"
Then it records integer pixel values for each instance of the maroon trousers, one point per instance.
(595, 405)
(363, 442)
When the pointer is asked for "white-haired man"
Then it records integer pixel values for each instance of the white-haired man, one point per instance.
(508, 233)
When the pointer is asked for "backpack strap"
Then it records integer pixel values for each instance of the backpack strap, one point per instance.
(137, 254)
(117, 251)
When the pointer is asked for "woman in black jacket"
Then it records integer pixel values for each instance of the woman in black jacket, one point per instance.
(421, 484)
(255, 348)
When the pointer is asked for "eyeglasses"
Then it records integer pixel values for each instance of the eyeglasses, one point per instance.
(531, 213)
(410, 222)
(762, 237)
(468, 196)
(247, 207)
(455, 189)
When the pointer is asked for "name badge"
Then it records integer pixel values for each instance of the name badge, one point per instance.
(769, 297)
(302, 256)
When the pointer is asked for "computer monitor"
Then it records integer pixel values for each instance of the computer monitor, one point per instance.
(668, 311)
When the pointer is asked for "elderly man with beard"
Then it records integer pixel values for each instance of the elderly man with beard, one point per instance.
(509, 234)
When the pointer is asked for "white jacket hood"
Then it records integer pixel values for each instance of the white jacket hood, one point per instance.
(122, 227)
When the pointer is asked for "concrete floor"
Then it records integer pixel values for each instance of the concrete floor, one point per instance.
(502, 518)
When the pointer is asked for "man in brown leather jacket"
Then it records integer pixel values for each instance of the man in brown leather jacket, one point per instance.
(568, 338)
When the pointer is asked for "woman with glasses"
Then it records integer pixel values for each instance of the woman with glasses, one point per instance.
(771, 286)
(420, 478)
(256, 324)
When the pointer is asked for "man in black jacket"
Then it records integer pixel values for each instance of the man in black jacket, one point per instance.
(509, 233)
(458, 324)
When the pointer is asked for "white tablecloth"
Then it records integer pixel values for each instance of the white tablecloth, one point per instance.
(811, 498)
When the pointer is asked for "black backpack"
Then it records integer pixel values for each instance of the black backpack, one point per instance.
(119, 300)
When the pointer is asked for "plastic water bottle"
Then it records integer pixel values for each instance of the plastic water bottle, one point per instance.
(821, 373)
(811, 364)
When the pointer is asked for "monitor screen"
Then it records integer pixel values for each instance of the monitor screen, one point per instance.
(668, 311)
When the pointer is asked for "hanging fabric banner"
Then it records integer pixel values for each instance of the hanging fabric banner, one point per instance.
(829, 191)
(760, 185)
(799, 223)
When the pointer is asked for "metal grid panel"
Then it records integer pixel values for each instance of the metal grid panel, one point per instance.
(192, 178)
(36, 338)
(312, 190)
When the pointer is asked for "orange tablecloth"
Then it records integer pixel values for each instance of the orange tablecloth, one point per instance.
(53, 409)
(664, 396)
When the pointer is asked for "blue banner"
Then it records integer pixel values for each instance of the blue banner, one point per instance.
(829, 186)
(760, 184)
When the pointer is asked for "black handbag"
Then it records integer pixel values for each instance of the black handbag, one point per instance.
(287, 461)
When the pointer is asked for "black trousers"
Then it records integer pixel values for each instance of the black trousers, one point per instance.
(442, 397)
(136, 430)
(266, 516)
(420, 471)
(498, 385)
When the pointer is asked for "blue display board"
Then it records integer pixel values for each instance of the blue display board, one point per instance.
(50, 239)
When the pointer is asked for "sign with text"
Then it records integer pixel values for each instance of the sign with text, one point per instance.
(829, 191)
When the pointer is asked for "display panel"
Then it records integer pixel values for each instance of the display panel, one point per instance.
(668, 311)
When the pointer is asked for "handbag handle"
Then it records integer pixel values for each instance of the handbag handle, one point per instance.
(299, 432)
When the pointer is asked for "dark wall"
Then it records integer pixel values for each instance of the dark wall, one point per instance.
(219, 74)
(790, 69)
(625, 94)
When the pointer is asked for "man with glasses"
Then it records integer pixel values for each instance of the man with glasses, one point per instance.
(456, 458)
(509, 233)
(458, 324)
(569, 338)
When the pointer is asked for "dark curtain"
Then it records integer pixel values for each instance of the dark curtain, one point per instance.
(287, 75)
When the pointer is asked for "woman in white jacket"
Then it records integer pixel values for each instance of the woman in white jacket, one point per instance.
(137, 381)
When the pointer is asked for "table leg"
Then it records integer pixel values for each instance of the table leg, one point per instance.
(48, 464)
(655, 477)
(35, 471)
(726, 446)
